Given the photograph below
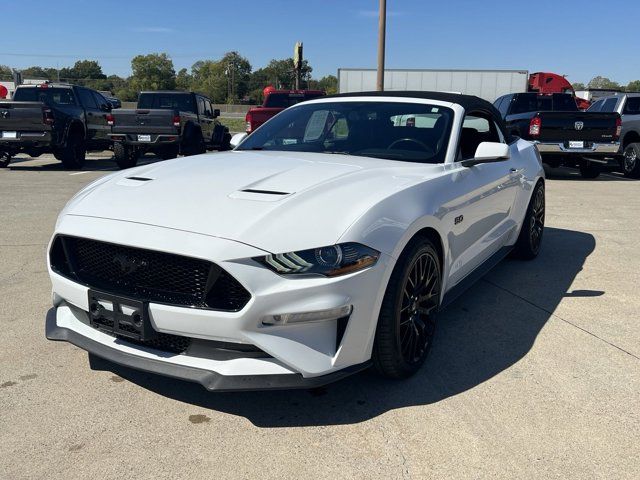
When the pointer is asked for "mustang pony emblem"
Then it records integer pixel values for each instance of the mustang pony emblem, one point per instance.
(128, 265)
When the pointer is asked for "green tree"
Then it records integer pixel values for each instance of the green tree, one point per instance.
(40, 73)
(280, 74)
(579, 86)
(152, 72)
(209, 78)
(329, 84)
(83, 69)
(603, 82)
(5, 73)
(183, 80)
(633, 86)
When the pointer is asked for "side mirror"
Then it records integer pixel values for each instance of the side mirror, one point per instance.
(105, 107)
(488, 152)
(237, 139)
(216, 112)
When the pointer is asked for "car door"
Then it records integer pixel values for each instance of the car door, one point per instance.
(206, 118)
(482, 213)
(102, 127)
(92, 115)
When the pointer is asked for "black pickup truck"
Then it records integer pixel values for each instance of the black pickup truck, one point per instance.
(166, 123)
(563, 134)
(66, 120)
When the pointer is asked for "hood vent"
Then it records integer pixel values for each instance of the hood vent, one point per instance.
(140, 179)
(264, 192)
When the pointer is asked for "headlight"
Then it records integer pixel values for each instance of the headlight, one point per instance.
(329, 261)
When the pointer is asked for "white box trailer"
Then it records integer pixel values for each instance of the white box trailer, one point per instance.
(487, 84)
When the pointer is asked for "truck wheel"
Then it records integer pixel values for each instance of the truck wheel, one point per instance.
(226, 143)
(126, 157)
(74, 152)
(590, 170)
(631, 161)
(193, 143)
(167, 153)
(5, 159)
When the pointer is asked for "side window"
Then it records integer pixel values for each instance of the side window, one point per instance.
(86, 98)
(633, 106)
(504, 106)
(476, 128)
(208, 107)
(200, 106)
(610, 105)
(100, 100)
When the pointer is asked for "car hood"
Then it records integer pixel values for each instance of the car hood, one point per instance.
(275, 201)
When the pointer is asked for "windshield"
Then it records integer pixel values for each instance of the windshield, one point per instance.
(410, 132)
(48, 96)
(171, 101)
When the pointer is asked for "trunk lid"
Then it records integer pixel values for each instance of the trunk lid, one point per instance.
(577, 126)
(144, 121)
(22, 117)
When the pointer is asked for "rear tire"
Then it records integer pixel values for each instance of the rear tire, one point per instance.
(407, 321)
(126, 156)
(590, 170)
(530, 239)
(631, 161)
(73, 153)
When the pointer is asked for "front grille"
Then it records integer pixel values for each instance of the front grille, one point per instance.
(147, 274)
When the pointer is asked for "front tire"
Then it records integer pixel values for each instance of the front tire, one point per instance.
(126, 156)
(407, 321)
(168, 152)
(530, 239)
(631, 161)
(193, 143)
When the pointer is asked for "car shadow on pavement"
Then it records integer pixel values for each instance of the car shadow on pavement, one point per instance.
(608, 174)
(104, 163)
(483, 333)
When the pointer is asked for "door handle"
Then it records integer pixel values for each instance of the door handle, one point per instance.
(515, 170)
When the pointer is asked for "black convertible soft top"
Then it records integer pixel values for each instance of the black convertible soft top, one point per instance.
(470, 103)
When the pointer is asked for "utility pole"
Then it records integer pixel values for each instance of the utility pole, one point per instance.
(382, 27)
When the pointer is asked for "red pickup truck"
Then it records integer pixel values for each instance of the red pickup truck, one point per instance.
(274, 102)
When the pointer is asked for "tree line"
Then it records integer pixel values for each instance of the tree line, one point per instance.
(230, 79)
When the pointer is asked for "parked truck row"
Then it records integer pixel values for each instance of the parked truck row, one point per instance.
(69, 120)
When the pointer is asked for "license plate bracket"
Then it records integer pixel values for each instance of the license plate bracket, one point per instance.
(144, 138)
(576, 144)
(120, 316)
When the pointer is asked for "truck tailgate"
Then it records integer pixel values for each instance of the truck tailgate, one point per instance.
(580, 126)
(147, 121)
(22, 117)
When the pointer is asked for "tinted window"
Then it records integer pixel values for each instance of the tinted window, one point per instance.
(390, 130)
(87, 99)
(633, 106)
(476, 129)
(609, 105)
(171, 101)
(48, 96)
(532, 102)
(100, 99)
(524, 102)
(200, 106)
(596, 107)
(285, 100)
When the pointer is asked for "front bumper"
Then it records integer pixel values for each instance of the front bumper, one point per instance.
(605, 149)
(301, 352)
(210, 380)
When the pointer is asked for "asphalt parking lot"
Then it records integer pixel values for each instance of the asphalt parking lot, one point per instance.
(535, 372)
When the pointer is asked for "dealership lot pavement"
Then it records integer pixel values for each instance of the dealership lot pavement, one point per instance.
(535, 372)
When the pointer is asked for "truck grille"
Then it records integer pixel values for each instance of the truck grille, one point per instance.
(147, 274)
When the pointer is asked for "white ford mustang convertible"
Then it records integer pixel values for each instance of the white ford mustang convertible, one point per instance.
(326, 242)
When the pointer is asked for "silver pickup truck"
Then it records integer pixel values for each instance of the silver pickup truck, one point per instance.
(628, 106)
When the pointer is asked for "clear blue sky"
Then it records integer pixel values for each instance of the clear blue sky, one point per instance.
(490, 34)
